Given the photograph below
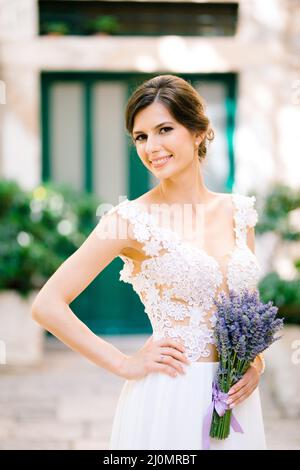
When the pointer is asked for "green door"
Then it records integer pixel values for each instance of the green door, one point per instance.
(85, 144)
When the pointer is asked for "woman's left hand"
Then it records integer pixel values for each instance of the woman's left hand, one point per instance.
(244, 387)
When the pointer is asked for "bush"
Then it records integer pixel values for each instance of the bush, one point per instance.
(58, 28)
(106, 24)
(275, 214)
(39, 230)
(284, 293)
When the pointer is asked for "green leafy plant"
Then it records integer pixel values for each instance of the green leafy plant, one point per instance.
(56, 28)
(275, 216)
(275, 212)
(107, 24)
(284, 293)
(39, 230)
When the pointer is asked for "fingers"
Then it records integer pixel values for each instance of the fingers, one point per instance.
(173, 357)
(240, 396)
(236, 397)
(177, 365)
(238, 386)
(175, 353)
(242, 389)
(168, 342)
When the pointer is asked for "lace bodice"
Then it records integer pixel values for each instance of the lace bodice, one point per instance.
(177, 281)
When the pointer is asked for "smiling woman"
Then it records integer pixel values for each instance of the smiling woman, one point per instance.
(183, 112)
(156, 162)
(177, 281)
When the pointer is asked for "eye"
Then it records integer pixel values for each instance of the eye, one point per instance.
(167, 129)
(138, 137)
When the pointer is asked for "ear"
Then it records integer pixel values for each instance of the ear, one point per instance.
(199, 136)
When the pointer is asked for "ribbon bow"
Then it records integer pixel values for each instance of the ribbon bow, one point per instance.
(218, 403)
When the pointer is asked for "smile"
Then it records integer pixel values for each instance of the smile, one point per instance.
(161, 161)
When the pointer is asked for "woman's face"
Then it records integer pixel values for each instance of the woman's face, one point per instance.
(164, 145)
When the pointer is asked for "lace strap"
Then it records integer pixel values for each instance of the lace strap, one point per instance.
(137, 219)
(146, 230)
(245, 216)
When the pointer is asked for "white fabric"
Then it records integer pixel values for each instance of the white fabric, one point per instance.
(160, 412)
(177, 283)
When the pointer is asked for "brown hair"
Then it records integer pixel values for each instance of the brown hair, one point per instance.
(181, 99)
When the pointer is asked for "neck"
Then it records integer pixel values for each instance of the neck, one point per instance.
(186, 188)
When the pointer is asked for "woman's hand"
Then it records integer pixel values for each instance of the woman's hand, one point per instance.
(165, 355)
(244, 387)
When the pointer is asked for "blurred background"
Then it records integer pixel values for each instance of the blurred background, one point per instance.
(67, 68)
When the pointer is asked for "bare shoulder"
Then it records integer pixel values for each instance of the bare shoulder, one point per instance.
(148, 198)
(220, 202)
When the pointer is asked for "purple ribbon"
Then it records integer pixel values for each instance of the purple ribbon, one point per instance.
(218, 403)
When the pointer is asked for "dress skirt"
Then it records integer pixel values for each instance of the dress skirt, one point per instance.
(160, 412)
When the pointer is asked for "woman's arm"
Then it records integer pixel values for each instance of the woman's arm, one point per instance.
(248, 383)
(51, 306)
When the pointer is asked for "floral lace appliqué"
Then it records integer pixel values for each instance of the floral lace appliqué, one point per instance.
(177, 282)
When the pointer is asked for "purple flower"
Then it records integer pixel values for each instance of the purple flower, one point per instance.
(244, 328)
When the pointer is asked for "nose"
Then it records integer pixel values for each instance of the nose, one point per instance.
(152, 144)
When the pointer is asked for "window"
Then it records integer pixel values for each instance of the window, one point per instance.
(139, 17)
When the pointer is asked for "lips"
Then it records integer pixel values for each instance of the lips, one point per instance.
(158, 162)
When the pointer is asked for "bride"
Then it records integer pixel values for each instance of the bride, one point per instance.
(181, 245)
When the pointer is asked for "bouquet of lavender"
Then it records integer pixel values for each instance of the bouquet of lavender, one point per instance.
(244, 328)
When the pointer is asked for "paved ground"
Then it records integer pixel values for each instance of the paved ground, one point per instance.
(68, 403)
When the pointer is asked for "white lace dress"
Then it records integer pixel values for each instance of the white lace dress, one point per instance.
(177, 283)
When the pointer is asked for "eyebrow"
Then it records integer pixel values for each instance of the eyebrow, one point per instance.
(158, 125)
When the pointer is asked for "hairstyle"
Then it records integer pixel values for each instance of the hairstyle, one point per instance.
(182, 101)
